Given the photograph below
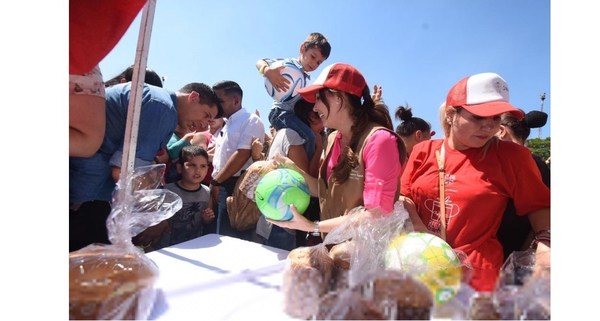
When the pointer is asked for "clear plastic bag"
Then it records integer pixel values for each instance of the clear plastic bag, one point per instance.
(520, 292)
(116, 281)
(253, 175)
(370, 233)
(366, 236)
(306, 278)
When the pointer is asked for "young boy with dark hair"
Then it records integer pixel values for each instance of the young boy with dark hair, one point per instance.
(314, 50)
(196, 210)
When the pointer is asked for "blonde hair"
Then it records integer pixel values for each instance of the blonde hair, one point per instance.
(446, 125)
(442, 114)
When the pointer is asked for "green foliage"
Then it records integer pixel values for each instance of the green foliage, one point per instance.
(540, 147)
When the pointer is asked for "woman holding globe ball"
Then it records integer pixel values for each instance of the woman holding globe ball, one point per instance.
(363, 157)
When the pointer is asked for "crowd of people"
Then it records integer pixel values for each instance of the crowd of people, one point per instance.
(472, 187)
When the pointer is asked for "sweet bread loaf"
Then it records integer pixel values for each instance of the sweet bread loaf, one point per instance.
(400, 296)
(106, 285)
(305, 280)
(482, 307)
(348, 304)
(341, 255)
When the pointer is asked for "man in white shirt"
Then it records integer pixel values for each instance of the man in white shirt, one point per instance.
(232, 151)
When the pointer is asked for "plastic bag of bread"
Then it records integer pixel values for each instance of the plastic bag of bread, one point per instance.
(341, 254)
(252, 176)
(365, 241)
(387, 295)
(116, 281)
(522, 292)
(241, 205)
(370, 233)
(306, 278)
(243, 211)
(347, 304)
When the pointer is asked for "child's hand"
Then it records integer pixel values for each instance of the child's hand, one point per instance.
(162, 157)
(257, 148)
(377, 93)
(277, 80)
(208, 215)
(200, 140)
(188, 137)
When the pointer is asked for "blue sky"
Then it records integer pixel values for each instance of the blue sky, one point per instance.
(415, 49)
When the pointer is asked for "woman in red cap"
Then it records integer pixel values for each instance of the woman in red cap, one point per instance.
(459, 186)
(363, 157)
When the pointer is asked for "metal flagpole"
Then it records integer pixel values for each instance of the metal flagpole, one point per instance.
(542, 98)
(137, 84)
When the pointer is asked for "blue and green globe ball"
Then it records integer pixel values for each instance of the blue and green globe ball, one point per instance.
(428, 258)
(277, 190)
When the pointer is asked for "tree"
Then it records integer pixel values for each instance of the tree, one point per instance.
(540, 147)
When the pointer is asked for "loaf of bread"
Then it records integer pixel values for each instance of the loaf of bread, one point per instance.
(341, 255)
(482, 307)
(305, 280)
(110, 285)
(399, 296)
(348, 304)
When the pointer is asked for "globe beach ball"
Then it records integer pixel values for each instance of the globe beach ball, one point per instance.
(430, 259)
(292, 73)
(277, 190)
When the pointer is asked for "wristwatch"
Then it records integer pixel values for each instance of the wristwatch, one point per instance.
(316, 231)
(214, 182)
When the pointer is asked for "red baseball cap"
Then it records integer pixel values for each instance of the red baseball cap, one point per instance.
(338, 76)
(484, 95)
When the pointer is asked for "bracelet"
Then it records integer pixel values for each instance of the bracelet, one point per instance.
(316, 231)
(262, 69)
(540, 236)
(537, 240)
(540, 232)
(214, 182)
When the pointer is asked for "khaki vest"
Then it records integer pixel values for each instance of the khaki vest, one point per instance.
(337, 199)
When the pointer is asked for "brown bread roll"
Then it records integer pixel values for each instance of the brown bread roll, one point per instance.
(400, 296)
(305, 280)
(341, 255)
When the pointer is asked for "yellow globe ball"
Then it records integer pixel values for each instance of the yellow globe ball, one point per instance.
(430, 259)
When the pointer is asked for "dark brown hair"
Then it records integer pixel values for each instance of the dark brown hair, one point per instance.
(362, 113)
(317, 40)
(409, 124)
(190, 151)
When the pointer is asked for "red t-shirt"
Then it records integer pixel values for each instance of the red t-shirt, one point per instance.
(476, 193)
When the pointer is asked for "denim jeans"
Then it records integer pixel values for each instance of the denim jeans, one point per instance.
(280, 118)
(281, 239)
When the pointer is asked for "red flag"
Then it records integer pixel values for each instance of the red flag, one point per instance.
(95, 28)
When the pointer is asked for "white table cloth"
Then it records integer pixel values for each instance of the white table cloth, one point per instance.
(217, 277)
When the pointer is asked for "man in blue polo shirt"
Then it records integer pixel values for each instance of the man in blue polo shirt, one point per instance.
(91, 182)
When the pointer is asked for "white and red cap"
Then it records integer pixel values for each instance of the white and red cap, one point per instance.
(484, 95)
(338, 76)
